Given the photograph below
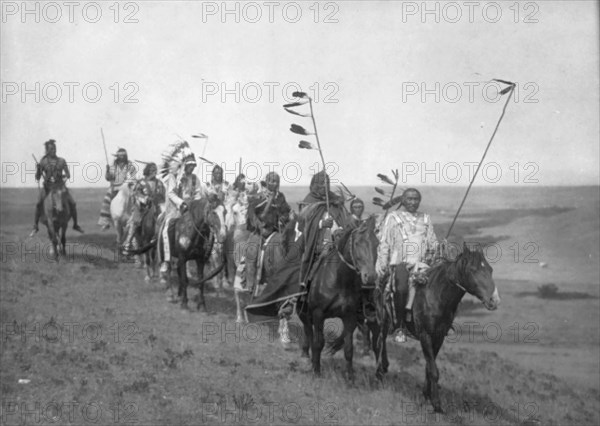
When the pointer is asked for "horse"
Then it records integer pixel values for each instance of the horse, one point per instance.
(145, 234)
(335, 291)
(191, 238)
(120, 210)
(434, 309)
(56, 216)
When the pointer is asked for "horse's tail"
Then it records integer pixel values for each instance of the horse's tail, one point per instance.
(145, 248)
(210, 275)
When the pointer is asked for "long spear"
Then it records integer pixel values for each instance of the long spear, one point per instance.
(36, 166)
(104, 144)
(510, 89)
(301, 131)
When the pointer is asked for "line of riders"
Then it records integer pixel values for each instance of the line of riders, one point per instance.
(406, 236)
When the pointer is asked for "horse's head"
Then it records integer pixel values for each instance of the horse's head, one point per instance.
(216, 217)
(476, 277)
(364, 250)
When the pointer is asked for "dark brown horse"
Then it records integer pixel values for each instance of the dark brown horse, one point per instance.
(56, 216)
(191, 237)
(434, 308)
(335, 292)
(145, 234)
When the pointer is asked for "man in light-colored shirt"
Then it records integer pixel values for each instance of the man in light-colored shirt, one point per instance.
(407, 241)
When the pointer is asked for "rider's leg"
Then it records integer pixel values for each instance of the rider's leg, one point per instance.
(252, 254)
(73, 208)
(164, 268)
(132, 224)
(38, 211)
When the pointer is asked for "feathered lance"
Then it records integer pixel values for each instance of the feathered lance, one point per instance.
(104, 144)
(510, 89)
(304, 98)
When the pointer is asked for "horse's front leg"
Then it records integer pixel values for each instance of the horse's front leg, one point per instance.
(201, 300)
(431, 390)
(239, 317)
(308, 331)
(63, 240)
(349, 327)
(183, 282)
(318, 340)
(381, 349)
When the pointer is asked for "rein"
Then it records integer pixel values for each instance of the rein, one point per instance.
(351, 241)
(454, 281)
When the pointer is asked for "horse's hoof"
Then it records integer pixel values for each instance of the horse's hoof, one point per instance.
(438, 408)
(172, 299)
(147, 279)
(304, 355)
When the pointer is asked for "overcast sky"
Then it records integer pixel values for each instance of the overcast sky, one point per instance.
(365, 63)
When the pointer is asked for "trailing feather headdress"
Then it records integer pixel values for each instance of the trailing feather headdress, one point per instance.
(175, 155)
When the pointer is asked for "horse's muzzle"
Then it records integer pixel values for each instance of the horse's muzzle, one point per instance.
(492, 303)
(368, 278)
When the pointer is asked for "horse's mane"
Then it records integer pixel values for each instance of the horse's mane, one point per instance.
(462, 261)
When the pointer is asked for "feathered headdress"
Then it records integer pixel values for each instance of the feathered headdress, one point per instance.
(175, 155)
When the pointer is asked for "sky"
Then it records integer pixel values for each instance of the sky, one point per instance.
(394, 86)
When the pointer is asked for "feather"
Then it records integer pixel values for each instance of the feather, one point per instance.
(396, 174)
(291, 111)
(299, 95)
(200, 136)
(140, 161)
(504, 81)
(347, 190)
(506, 90)
(380, 191)
(378, 201)
(299, 130)
(306, 145)
(295, 104)
(392, 202)
(385, 179)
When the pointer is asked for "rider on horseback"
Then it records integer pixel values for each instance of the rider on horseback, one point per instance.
(357, 208)
(408, 243)
(54, 170)
(122, 170)
(182, 187)
(269, 212)
(149, 189)
(318, 226)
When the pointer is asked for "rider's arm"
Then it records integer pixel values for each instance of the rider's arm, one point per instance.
(65, 169)
(110, 173)
(38, 170)
(172, 194)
